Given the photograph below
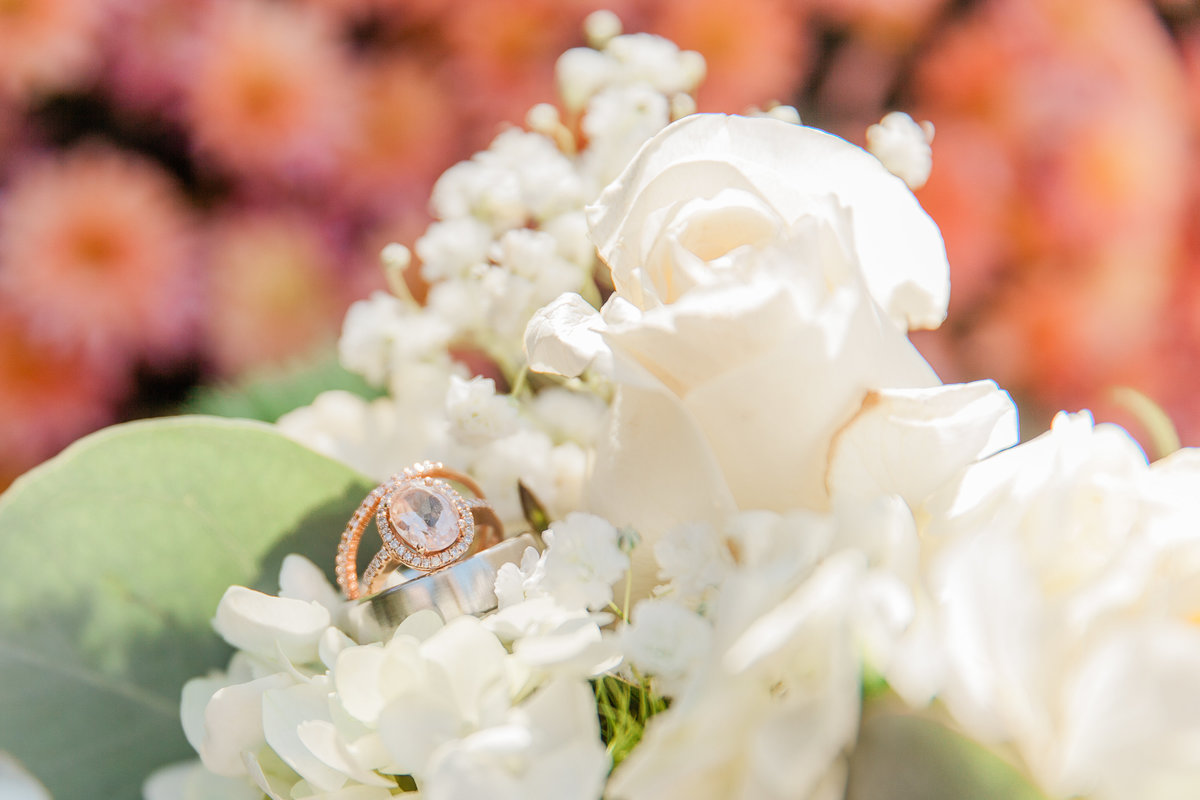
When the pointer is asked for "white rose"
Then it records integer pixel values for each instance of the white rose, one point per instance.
(761, 269)
(1055, 570)
(659, 231)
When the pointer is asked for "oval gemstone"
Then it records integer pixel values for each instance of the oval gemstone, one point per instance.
(424, 517)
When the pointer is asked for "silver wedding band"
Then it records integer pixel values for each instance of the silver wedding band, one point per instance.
(466, 587)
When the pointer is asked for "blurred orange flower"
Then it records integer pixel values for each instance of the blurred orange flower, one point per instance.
(48, 396)
(755, 54)
(407, 131)
(95, 249)
(269, 93)
(47, 44)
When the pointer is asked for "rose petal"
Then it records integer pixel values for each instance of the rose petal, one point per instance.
(912, 441)
(561, 338)
(902, 254)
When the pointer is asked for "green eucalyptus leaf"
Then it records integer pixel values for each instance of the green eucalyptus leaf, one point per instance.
(270, 393)
(902, 756)
(114, 555)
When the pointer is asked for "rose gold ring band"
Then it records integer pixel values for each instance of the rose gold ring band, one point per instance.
(424, 522)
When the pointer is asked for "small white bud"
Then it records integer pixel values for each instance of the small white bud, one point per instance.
(903, 147)
(694, 67)
(785, 113)
(601, 27)
(682, 105)
(395, 256)
(543, 119)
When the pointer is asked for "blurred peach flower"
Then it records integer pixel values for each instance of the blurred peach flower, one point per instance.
(47, 44)
(95, 249)
(1084, 109)
(755, 54)
(270, 92)
(407, 131)
(274, 289)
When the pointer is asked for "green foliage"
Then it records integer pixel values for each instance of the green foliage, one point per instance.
(115, 554)
(624, 709)
(905, 757)
(269, 395)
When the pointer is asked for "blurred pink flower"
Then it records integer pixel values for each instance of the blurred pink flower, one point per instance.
(95, 251)
(48, 396)
(270, 92)
(504, 55)
(1061, 179)
(890, 24)
(47, 44)
(274, 290)
(149, 48)
(970, 193)
(756, 52)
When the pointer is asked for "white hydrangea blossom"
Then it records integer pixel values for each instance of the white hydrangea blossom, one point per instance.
(583, 561)
(665, 639)
(303, 711)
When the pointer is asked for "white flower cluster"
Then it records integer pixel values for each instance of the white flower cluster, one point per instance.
(744, 441)
(510, 235)
(494, 708)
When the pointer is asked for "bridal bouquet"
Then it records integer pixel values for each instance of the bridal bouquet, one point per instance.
(770, 555)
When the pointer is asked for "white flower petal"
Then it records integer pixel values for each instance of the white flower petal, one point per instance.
(575, 648)
(414, 726)
(357, 678)
(910, 442)
(194, 698)
(188, 780)
(18, 783)
(562, 338)
(284, 711)
(325, 742)
(301, 579)
(233, 723)
(266, 625)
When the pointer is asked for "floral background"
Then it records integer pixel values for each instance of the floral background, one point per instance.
(675, 343)
(192, 192)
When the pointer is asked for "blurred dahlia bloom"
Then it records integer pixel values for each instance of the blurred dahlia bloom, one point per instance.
(274, 291)
(753, 57)
(1060, 287)
(407, 131)
(505, 54)
(149, 46)
(48, 396)
(269, 93)
(95, 250)
(891, 24)
(47, 45)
